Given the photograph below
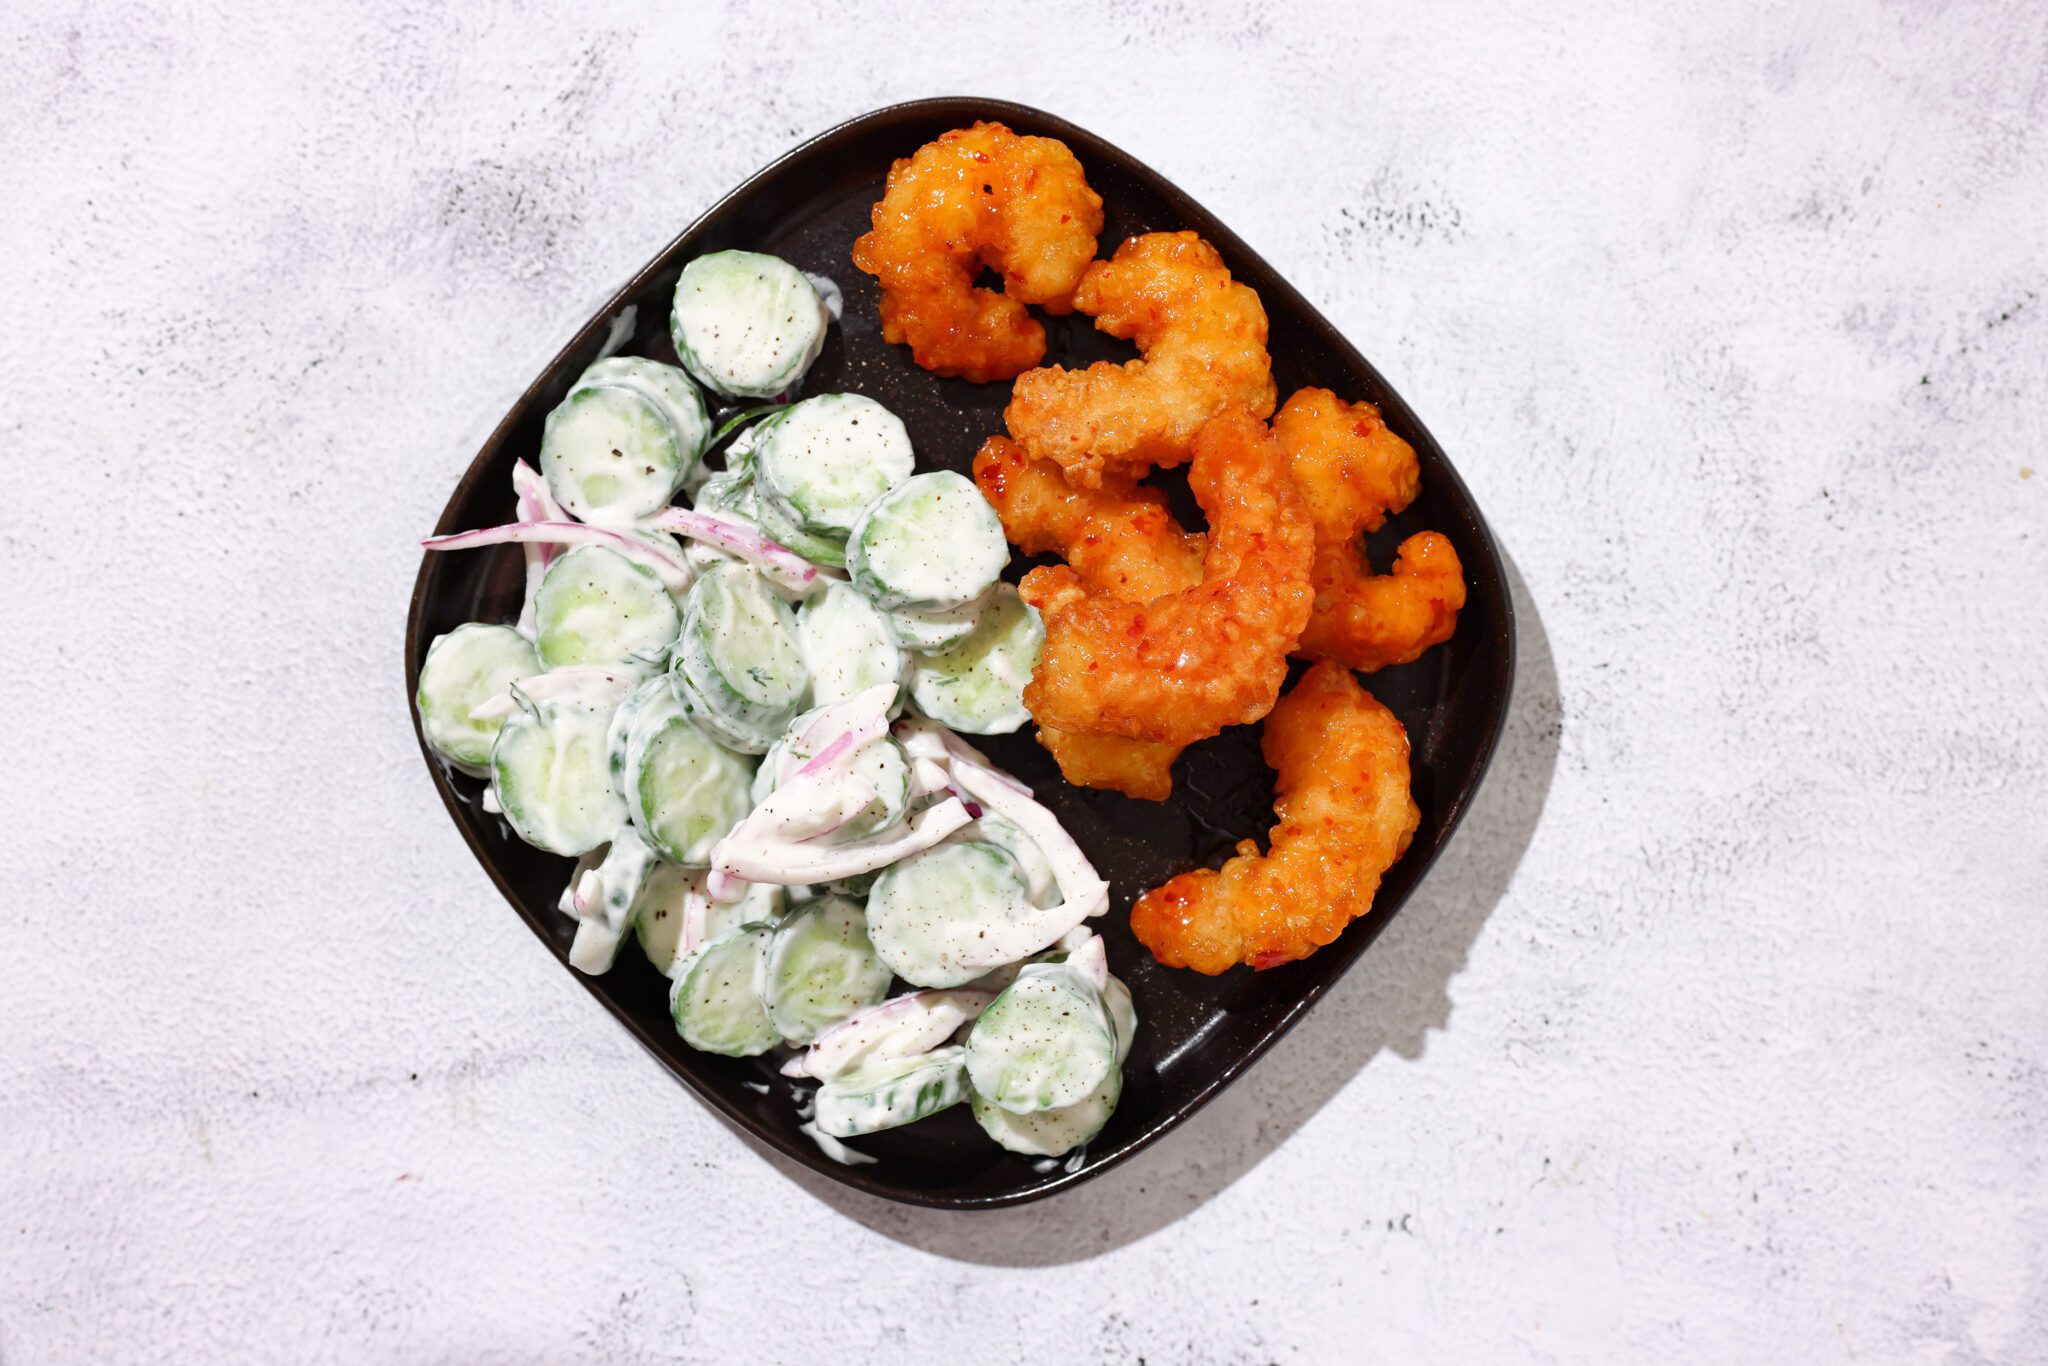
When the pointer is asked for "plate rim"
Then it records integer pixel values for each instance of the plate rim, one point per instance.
(1358, 937)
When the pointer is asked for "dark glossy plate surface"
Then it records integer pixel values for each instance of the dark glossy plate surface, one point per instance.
(1196, 1033)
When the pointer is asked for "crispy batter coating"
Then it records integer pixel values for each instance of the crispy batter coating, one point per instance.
(1203, 342)
(1345, 813)
(1181, 666)
(1118, 536)
(1371, 621)
(974, 197)
(1120, 539)
(1353, 472)
(1136, 768)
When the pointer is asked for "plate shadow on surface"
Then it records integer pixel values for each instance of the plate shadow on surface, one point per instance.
(1390, 1001)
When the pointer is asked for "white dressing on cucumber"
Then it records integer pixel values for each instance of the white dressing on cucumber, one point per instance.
(716, 997)
(820, 968)
(1057, 1132)
(943, 917)
(549, 768)
(829, 294)
(659, 647)
(922, 632)
(675, 916)
(827, 459)
(889, 1094)
(1049, 1133)
(977, 685)
(737, 661)
(867, 795)
(900, 1028)
(685, 790)
(607, 912)
(1041, 883)
(596, 607)
(626, 437)
(660, 911)
(1046, 1043)
(847, 644)
(747, 324)
(780, 525)
(469, 666)
(931, 543)
(748, 857)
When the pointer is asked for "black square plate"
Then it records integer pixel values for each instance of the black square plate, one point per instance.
(1197, 1033)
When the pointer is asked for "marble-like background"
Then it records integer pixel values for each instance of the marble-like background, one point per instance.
(1718, 1035)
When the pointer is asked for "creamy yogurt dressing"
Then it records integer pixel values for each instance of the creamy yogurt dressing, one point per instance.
(638, 778)
(747, 325)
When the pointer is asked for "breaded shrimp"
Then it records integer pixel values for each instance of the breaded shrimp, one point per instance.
(1119, 536)
(1181, 666)
(1372, 621)
(1120, 539)
(1345, 815)
(1353, 472)
(974, 197)
(1136, 768)
(1202, 338)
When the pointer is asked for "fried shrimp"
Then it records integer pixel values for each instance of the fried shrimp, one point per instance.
(1203, 342)
(1119, 536)
(1371, 621)
(974, 197)
(1345, 813)
(1353, 473)
(1136, 768)
(1121, 540)
(1180, 666)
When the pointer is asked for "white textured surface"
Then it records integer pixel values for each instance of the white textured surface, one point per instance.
(1720, 1033)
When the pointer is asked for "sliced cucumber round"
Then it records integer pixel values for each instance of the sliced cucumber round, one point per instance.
(888, 1094)
(661, 910)
(781, 527)
(1047, 1042)
(858, 886)
(1041, 883)
(674, 914)
(977, 686)
(847, 645)
(829, 457)
(685, 789)
(549, 771)
(716, 999)
(929, 915)
(597, 607)
(924, 632)
(737, 662)
(1049, 1133)
(1123, 1014)
(820, 968)
(651, 692)
(930, 543)
(746, 324)
(628, 435)
(469, 665)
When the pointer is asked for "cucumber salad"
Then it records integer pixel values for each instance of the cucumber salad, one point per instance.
(742, 718)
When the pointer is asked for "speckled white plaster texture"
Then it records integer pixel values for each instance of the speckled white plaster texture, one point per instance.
(1718, 1035)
